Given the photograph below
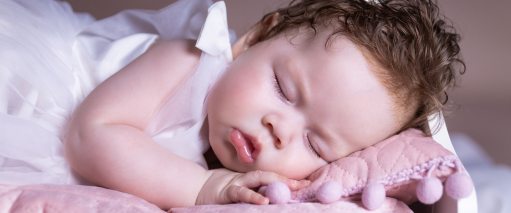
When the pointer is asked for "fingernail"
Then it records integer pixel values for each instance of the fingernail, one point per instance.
(291, 181)
(305, 182)
(263, 200)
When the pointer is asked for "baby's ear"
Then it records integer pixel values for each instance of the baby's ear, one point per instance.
(252, 36)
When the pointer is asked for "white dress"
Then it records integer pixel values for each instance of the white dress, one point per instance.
(51, 58)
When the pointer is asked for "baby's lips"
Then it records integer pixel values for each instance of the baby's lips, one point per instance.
(244, 149)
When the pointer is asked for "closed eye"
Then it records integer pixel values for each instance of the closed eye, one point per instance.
(312, 147)
(279, 88)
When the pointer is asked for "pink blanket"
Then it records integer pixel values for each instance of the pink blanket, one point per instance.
(71, 198)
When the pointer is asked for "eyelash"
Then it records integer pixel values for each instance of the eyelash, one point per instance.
(278, 88)
(311, 147)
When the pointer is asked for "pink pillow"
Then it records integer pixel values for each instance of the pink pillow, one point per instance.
(399, 163)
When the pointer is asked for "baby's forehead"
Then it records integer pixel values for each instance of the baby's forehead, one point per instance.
(325, 40)
(325, 46)
(322, 40)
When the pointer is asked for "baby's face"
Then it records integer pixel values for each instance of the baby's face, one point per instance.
(292, 108)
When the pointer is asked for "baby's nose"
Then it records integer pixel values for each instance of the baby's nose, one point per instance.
(282, 130)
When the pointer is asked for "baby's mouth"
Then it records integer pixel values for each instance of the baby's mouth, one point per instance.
(243, 145)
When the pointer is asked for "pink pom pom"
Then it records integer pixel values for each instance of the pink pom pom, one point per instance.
(329, 192)
(459, 186)
(262, 190)
(373, 195)
(278, 193)
(429, 190)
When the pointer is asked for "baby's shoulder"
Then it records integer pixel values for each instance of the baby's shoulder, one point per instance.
(181, 49)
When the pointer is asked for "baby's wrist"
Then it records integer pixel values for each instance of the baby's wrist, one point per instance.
(211, 179)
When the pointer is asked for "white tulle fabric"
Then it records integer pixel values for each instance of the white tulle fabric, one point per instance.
(51, 58)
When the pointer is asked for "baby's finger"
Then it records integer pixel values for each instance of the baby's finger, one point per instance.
(301, 184)
(297, 184)
(243, 194)
(257, 178)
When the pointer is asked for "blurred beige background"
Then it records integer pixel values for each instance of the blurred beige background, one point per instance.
(485, 90)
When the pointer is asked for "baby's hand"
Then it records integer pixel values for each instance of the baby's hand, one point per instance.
(225, 186)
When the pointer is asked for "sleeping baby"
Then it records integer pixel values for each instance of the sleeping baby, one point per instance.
(307, 85)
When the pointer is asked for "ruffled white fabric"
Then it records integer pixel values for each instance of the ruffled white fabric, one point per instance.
(39, 88)
(51, 58)
(178, 124)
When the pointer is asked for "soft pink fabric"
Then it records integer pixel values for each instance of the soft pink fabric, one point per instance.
(373, 195)
(389, 205)
(329, 192)
(278, 193)
(398, 162)
(70, 198)
(429, 190)
(459, 186)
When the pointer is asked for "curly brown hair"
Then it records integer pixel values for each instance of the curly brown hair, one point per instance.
(412, 47)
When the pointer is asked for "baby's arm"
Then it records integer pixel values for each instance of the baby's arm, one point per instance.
(106, 144)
